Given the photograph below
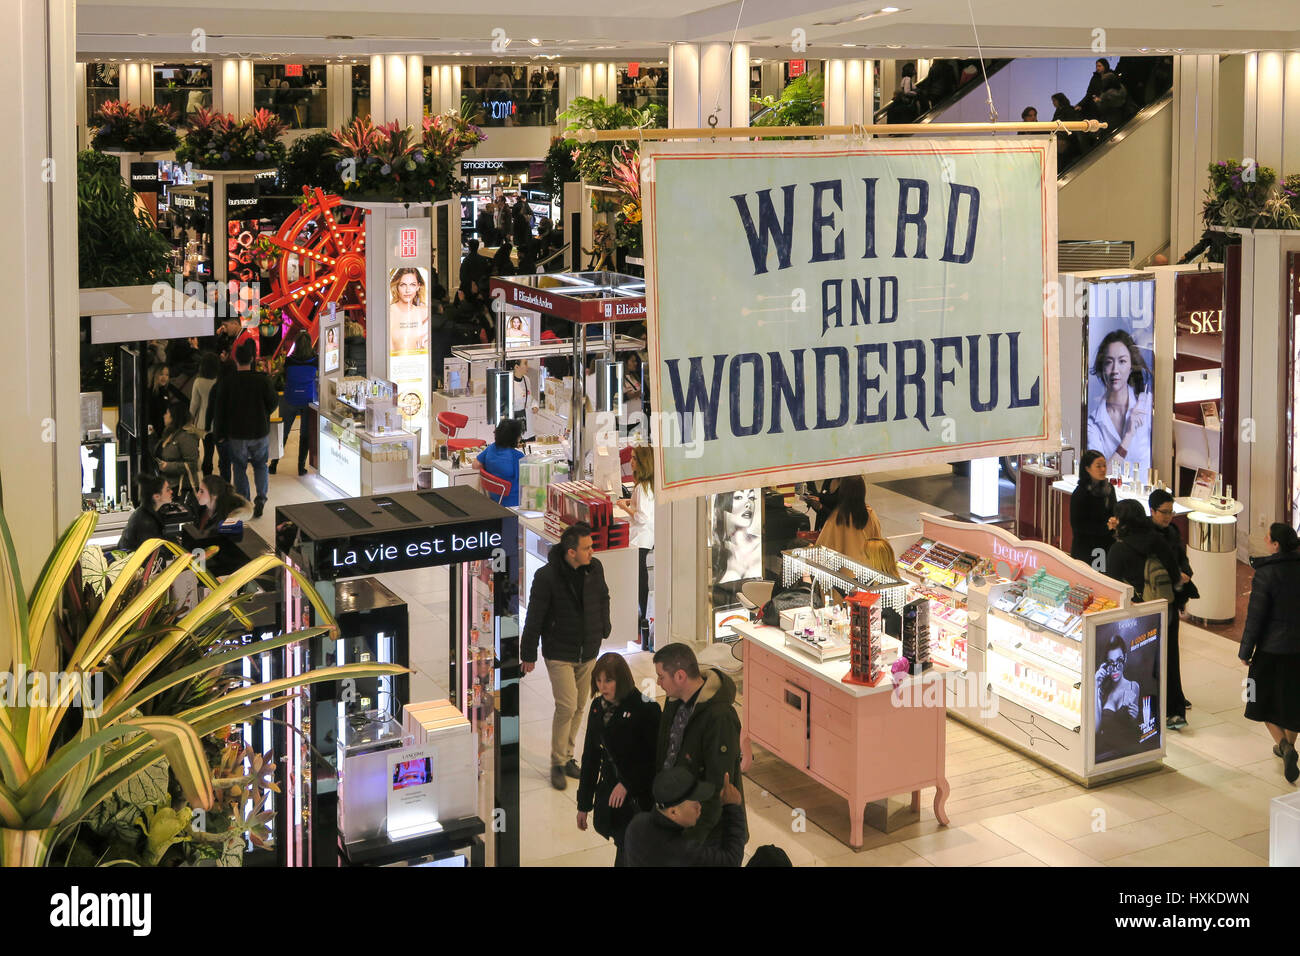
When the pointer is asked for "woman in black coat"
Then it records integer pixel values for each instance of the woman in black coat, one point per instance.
(1092, 508)
(618, 756)
(1137, 539)
(1270, 645)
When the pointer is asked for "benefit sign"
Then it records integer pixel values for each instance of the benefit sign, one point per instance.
(820, 309)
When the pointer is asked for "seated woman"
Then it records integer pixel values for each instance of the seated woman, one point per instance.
(144, 522)
(501, 458)
(218, 503)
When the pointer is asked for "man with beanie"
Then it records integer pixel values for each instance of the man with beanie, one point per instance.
(659, 837)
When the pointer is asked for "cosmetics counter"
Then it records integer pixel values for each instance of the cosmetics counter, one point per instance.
(1056, 659)
(363, 449)
(1127, 488)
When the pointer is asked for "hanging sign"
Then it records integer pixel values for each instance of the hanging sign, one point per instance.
(819, 309)
(634, 70)
(798, 68)
(293, 69)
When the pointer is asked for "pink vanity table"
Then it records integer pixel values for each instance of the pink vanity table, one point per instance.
(864, 743)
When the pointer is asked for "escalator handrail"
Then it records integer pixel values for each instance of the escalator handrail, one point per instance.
(991, 66)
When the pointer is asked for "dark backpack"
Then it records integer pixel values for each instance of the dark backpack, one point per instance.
(1156, 583)
(783, 601)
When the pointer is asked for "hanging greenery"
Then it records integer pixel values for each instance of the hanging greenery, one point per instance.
(220, 141)
(800, 104)
(117, 242)
(559, 166)
(594, 161)
(1244, 196)
(142, 129)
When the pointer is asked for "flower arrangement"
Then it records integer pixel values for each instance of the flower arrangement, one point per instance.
(594, 161)
(625, 176)
(143, 128)
(220, 141)
(390, 163)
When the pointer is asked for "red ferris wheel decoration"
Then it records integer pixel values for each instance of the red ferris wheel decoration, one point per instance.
(324, 243)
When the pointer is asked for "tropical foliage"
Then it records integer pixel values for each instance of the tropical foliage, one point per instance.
(1244, 195)
(117, 242)
(800, 104)
(62, 756)
(142, 129)
(392, 163)
(594, 162)
(559, 166)
(221, 141)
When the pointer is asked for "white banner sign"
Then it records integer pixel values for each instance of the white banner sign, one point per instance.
(820, 309)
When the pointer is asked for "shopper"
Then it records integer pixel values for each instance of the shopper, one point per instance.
(502, 265)
(823, 500)
(1029, 115)
(618, 755)
(1161, 503)
(700, 729)
(1270, 645)
(218, 503)
(1114, 106)
(641, 507)
(299, 393)
(879, 556)
(247, 400)
(1137, 543)
(213, 418)
(144, 522)
(501, 458)
(1092, 512)
(853, 522)
(1100, 69)
(200, 397)
(485, 226)
(661, 837)
(162, 393)
(568, 611)
(178, 450)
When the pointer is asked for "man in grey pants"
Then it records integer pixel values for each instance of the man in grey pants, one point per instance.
(568, 610)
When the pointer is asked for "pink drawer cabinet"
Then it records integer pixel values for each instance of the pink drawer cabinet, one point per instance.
(864, 743)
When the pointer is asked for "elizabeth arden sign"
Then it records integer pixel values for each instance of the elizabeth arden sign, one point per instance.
(818, 309)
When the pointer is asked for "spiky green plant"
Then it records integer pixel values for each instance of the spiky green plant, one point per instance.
(58, 761)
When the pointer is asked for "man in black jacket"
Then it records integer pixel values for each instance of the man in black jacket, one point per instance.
(700, 728)
(659, 837)
(1161, 503)
(568, 609)
(247, 399)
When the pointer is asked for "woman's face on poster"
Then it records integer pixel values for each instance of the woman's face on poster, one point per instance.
(1116, 366)
(1114, 664)
(740, 509)
(407, 288)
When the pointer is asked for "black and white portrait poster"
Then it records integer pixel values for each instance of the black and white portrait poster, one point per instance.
(1128, 713)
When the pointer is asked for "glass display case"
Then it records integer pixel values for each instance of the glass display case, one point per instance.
(363, 449)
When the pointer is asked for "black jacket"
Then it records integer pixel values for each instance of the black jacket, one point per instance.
(571, 626)
(1273, 615)
(710, 743)
(142, 525)
(244, 403)
(1127, 559)
(654, 840)
(1088, 516)
(622, 751)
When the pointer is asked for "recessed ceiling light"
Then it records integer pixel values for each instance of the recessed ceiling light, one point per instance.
(889, 9)
(534, 41)
(1143, 49)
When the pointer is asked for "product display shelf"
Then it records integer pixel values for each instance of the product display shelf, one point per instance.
(1065, 718)
(833, 570)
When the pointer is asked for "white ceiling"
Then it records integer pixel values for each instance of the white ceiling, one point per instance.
(622, 29)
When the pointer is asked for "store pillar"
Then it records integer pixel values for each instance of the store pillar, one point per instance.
(445, 89)
(708, 80)
(1196, 120)
(232, 87)
(338, 95)
(136, 83)
(83, 134)
(850, 91)
(397, 89)
(40, 458)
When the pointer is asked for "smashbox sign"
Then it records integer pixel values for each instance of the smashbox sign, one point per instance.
(819, 308)
(402, 550)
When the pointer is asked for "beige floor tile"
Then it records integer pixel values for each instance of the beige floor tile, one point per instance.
(1179, 757)
(549, 826)
(961, 846)
(1216, 695)
(1237, 717)
(1037, 842)
(1202, 849)
(1226, 743)
(763, 831)
(1269, 770)
(602, 856)
(1233, 810)
(1076, 817)
(1132, 837)
(894, 854)
(1256, 843)
(1198, 671)
(1016, 859)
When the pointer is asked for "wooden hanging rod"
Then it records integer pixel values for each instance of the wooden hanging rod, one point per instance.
(855, 129)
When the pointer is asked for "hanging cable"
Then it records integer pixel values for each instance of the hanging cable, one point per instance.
(988, 91)
(731, 53)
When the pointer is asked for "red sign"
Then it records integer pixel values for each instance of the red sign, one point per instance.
(797, 67)
(634, 69)
(580, 311)
(293, 69)
(408, 243)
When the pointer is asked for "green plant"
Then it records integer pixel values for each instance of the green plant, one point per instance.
(307, 163)
(559, 166)
(800, 103)
(594, 161)
(217, 141)
(1244, 196)
(58, 761)
(145, 128)
(117, 242)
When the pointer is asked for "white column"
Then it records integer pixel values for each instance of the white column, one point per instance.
(451, 88)
(1196, 117)
(849, 86)
(395, 91)
(586, 81)
(338, 95)
(245, 88)
(683, 86)
(600, 81)
(232, 87)
(40, 454)
(83, 135)
(146, 84)
(378, 87)
(740, 108)
(435, 88)
(129, 82)
(888, 80)
(709, 79)
(415, 90)
(1271, 134)
(569, 86)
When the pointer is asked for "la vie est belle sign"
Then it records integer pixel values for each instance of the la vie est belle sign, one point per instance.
(409, 548)
(824, 308)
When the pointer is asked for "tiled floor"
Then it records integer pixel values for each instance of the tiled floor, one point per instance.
(1208, 806)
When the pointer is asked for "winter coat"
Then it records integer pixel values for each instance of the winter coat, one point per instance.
(622, 751)
(710, 743)
(200, 399)
(299, 382)
(570, 626)
(1088, 516)
(1273, 615)
(245, 400)
(142, 525)
(1127, 559)
(654, 840)
(178, 457)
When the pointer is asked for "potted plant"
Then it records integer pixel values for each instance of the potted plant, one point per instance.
(141, 130)
(594, 161)
(220, 141)
(58, 761)
(117, 241)
(1244, 196)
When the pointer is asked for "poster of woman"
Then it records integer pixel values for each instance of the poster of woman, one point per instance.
(1127, 710)
(408, 310)
(737, 537)
(1120, 384)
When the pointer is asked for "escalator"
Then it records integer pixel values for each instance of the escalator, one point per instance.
(946, 83)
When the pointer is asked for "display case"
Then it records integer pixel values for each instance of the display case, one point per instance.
(818, 630)
(362, 449)
(1040, 628)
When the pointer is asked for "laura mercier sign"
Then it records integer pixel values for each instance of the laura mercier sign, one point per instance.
(408, 548)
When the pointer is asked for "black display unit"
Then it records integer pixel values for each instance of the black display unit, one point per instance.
(337, 542)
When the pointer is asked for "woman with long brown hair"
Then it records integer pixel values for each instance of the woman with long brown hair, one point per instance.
(853, 522)
(618, 755)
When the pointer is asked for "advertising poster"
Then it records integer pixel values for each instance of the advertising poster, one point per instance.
(1128, 711)
(736, 547)
(333, 336)
(1120, 360)
(408, 295)
(816, 308)
(413, 792)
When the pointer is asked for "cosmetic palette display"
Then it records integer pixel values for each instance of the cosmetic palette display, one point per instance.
(912, 624)
(824, 633)
(865, 637)
(1046, 601)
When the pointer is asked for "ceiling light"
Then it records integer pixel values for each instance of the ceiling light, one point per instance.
(848, 44)
(534, 41)
(889, 9)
